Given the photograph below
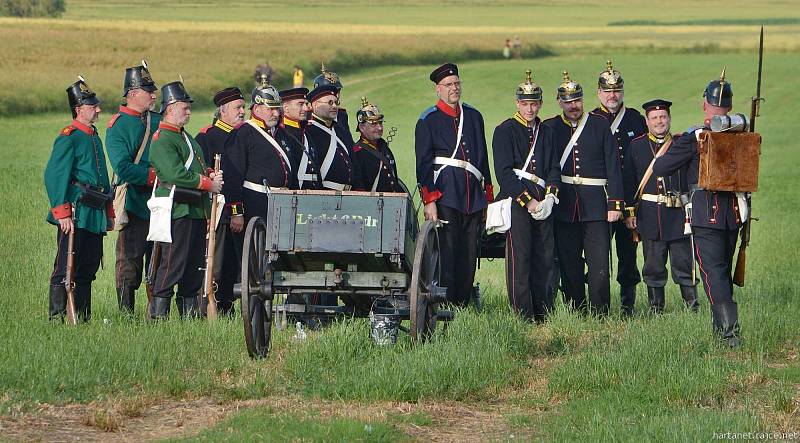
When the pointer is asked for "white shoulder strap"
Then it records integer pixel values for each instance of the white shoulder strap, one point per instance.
(189, 159)
(272, 141)
(574, 139)
(533, 147)
(617, 120)
(461, 119)
(331, 154)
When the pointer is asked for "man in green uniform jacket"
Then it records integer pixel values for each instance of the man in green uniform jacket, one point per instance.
(79, 192)
(128, 140)
(178, 161)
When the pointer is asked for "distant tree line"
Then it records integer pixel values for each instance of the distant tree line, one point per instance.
(32, 8)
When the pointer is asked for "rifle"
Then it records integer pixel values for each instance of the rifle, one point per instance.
(208, 286)
(755, 108)
(68, 279)
(150, 278)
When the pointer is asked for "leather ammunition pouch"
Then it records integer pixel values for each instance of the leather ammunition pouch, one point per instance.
(189, 196)
(94, 196)
(729, 161)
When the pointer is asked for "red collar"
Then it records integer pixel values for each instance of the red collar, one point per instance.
(87, 129)
(444, 107)
(164, 125)
(129, 111)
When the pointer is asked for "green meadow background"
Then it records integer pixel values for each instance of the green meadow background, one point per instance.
(574, 378)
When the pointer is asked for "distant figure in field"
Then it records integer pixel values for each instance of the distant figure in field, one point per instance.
(517, 48)
(507, 49)
(261, 71)
(297, 77)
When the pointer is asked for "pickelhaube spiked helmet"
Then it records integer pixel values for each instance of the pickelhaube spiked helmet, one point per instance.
(138, 77)
(368, 113)
(529, 90)
(172, 93)
(610, 80)
(79, 94)
(569, 90)
(327, 77)
(719, 92)
(265, 94)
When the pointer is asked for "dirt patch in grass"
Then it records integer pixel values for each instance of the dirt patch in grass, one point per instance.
(147, 420)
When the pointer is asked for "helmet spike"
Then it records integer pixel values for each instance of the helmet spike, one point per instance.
(364, 102)
(528, 76)
(181, 78)
(722, 75)
(566, 76)
(263, 80)
(609, 67)
(323, 70)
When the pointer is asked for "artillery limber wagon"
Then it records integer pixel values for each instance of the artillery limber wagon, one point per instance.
(326, 254)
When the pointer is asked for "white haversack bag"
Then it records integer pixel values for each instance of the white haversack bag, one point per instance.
(160, 216)
(498, 216)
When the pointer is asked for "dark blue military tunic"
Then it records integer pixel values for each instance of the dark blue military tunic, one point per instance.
(342, 170)
(377, 165)
(212, 139)
(435, 136)
(655, 220)
(305, 154)
(632, 126)
(593, 156)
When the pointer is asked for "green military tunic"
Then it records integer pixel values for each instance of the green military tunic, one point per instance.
(77, 158)
(123, 138)
(169, 152)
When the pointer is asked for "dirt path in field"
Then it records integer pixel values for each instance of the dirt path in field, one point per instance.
(148, 421)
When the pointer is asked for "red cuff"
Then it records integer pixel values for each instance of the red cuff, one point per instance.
(205, 183)
(430, 197)
(151, 176)
(62, 211)
(209, 170)
(110, 210)
(489, 192)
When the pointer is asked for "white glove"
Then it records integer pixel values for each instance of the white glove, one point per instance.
(545, 207)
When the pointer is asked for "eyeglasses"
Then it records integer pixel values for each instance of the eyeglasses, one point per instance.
(451, 85)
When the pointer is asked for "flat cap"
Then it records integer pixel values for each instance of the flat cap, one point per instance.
(446, 70)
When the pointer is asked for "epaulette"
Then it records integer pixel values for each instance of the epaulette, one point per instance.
(427, 112)
(596, 114)
(205, 129)
(156, 134)
(357, 148)
(67, 130)
(113, 120)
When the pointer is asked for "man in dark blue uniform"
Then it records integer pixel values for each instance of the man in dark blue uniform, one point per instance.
(454, 178)
(330, 78)
(626, 124)
(655, 209)
(590, 198)
(715, 216)
(212, 138)
(256, 160)
(526, 165)
(332, 143)
(294, 122)
(372, 154)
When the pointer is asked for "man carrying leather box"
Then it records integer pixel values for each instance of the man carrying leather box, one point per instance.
(181, 174)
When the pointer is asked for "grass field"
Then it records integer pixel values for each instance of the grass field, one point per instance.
(488, 376)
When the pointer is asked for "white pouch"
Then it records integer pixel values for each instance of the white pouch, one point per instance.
(498, 216)
(160, 216)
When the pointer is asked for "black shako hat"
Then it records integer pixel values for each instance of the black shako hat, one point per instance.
(719, 92)
(294, 94)
(446, 70)
(321, 91)
(138, 77)
(227, 95)
(172, 93)
(79, 94)
(656, 105)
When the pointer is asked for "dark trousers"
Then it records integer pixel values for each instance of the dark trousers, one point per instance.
(529, 264)
(714, 249)
(574, 243)
(627, 272)
(458, 245)
(132, 250)
(227, 265)
(655, 262)
(182, 260)
(88, 250)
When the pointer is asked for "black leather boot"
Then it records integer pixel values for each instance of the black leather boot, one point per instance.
(656, 298)
(627, 296)
(159, 309)
(83, 301)
(126, 299)
(689, 294)
(58, 302)
(726, 323)
(188, 307)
